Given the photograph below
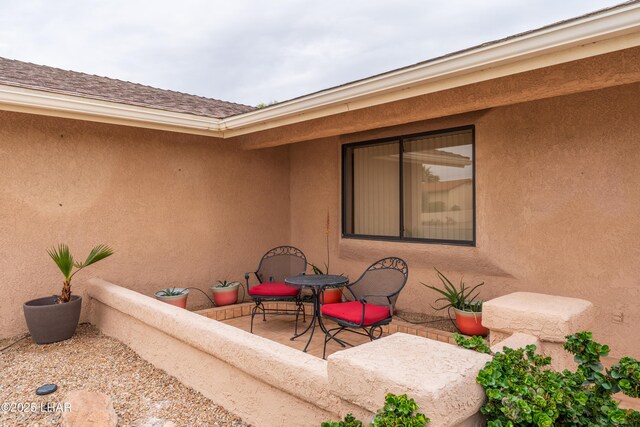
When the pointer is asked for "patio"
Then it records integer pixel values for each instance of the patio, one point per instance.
(280, 328)
(269, 383)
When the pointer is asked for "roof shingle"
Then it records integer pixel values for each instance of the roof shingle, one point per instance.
(49, 79)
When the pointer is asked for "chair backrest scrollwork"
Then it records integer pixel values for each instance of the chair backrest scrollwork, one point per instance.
(385, 277)
(281, 262)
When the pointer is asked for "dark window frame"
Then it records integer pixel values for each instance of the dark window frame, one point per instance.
(400, 139)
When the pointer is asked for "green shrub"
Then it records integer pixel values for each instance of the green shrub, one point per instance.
(398, 411)
(626, 374)
(349, 421)
(633, 419)
(473, 343)
(522, 391)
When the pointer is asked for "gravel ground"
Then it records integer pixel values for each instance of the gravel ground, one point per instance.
(142, 394)
(429, 320)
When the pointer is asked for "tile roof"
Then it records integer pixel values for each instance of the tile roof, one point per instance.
(49, 79)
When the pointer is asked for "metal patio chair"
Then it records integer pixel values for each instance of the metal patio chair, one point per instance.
(277, 264)
(371, 301)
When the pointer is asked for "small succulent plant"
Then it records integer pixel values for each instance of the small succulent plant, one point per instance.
(225, 284)
(171, 292)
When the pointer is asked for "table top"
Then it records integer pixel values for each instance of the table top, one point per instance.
(317, 280)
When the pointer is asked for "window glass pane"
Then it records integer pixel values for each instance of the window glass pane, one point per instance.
(372, 176)
(438, 186)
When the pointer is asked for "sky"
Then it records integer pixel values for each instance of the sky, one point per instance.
(260, 51)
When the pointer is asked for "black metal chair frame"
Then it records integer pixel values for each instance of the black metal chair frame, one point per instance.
(374, 330)
(260, 299)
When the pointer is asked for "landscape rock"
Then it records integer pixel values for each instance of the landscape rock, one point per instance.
(89, 409)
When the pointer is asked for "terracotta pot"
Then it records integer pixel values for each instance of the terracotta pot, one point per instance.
(51, 322)
(177, 300)
(331, 296)
(470, 323)
(225, 296)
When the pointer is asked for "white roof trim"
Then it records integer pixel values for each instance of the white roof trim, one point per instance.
(596, 32)
(54, 104)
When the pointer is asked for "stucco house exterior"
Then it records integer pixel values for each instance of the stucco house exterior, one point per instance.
(514, 163)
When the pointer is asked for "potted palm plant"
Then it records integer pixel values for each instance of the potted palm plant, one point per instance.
(55, 318)
(174, 296)
(225, 292)
(465, 304)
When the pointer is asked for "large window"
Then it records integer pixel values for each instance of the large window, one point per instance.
(416, 187)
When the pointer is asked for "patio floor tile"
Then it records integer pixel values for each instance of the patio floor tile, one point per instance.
(280, 329)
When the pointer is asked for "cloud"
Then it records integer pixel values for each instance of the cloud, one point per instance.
(256, 51)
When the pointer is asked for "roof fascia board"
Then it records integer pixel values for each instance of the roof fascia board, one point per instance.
(595, 34)
(450, 82)
(590, 29)
(60, 105)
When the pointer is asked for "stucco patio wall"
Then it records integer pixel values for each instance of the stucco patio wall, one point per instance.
(547, 319)
(179, 210)
(262, 381)
(270, 384)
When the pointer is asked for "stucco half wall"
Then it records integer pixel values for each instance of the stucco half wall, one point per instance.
(270, 384)
(557, 207)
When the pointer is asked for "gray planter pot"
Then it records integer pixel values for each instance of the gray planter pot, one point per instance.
(50, 322)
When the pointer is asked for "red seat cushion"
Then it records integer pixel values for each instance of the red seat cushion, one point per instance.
(277, 289)
(352, 312)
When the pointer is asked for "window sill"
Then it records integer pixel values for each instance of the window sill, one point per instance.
(420, 255)
(408, 240)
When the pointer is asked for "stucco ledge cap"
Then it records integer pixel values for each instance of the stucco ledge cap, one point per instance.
(440, 377)
(548, 317)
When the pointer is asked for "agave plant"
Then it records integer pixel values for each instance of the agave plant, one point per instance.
(225, 284)
(171, 292)
(461, 297)
(318, 270)
(65, 262)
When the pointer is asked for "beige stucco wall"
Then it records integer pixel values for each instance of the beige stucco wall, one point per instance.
(557, 195)
(558, 210)
(179, 210)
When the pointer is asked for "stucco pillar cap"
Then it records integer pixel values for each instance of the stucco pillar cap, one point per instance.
(440, 377)
(548, 317)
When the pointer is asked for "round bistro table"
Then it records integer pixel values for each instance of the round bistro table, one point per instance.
(317, 283)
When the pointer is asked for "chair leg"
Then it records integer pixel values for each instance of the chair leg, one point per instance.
(371, 332)
(368, 331)
(253, 312)
(295, 328)
(324, 347)
(328, 336)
